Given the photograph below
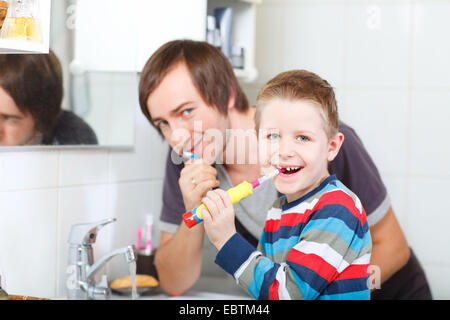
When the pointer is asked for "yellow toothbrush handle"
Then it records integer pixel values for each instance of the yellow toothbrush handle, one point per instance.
(242, 190)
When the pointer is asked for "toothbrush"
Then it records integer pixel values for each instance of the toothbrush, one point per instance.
(190, 155)
(242, 190)
(139, 239)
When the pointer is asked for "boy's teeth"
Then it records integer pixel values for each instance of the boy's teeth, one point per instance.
(288, 169)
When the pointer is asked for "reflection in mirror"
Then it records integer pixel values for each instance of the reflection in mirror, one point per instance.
(106, 101)
(31, 91)
(84, 108)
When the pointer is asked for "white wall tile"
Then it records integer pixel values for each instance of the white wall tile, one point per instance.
(28, 241)
(439, 280)
(427, 220)
(81, 205)
(429, 133)
(380, 120)
(129, 203)
(378, 44)
(314, 40)
(28, 170)
(431, 51)
(83, 167)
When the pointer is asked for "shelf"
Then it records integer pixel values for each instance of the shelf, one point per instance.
(18, 46)
(252, 1)
(243, 32)
(246, 75)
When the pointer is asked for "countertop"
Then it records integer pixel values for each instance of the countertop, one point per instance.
(190, 295)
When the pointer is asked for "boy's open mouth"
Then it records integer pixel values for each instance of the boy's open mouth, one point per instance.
(289, 170)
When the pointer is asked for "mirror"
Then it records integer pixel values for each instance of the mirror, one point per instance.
(99, 105)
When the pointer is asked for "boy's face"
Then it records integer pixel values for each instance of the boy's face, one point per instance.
(185, 120)
(292, 135)
(16, 128)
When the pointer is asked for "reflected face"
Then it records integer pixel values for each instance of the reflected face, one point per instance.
(185, 120)
(16, 128)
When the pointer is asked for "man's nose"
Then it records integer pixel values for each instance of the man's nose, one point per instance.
(179, 135)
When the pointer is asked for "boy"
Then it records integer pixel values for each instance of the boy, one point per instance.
(316, 242)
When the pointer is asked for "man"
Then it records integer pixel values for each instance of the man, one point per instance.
(187, 90)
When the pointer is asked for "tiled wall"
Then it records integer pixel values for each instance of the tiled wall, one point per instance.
(389, 62)
(42, 194)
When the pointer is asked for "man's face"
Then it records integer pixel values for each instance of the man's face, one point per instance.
(185, 120)
(16, 128)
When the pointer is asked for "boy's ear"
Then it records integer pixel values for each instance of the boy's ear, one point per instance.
(334, 145)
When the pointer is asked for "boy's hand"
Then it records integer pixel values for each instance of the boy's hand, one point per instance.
(219, 222)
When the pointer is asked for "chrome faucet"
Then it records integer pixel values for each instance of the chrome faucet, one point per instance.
(82, 269)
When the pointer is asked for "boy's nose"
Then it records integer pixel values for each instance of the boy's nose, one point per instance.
(286, 149)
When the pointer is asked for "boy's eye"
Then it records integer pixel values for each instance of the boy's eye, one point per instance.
(273, 136)
(302, 138)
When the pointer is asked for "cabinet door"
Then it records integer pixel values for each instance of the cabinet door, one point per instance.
(117, 35)
(167, 20)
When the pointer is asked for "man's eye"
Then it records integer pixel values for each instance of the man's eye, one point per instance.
(163, 124)
(187, 112)
(303, 138)
(9, 119)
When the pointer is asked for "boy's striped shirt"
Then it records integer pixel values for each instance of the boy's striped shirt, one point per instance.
(317, 247)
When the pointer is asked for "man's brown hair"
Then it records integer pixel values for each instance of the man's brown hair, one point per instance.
(301, 85)
(35, 83)
(211, 73)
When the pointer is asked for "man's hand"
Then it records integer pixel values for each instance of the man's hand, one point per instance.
(196, 178)
(219, 221)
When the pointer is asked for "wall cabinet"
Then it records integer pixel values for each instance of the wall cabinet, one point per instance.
(117, 36)
(243, 32)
